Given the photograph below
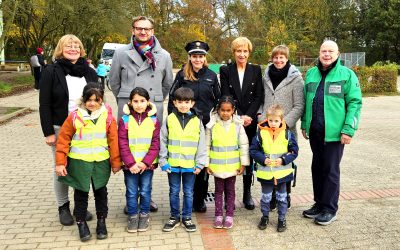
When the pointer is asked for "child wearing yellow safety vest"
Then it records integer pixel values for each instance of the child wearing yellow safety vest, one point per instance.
(139, 145)
(274, 148)
(228, 154)
(182, 155)
(87, 150)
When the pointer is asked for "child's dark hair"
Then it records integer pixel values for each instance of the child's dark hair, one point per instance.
(139, 91)
(226, 99)
(183, 94)
(92, 88)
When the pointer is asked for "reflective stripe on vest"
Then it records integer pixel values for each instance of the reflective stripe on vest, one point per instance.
(182, 143)
(274, 149)
(92, 144)
(224, 153)
(140, 137)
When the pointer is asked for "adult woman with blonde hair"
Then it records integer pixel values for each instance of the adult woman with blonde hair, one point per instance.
(197, 76)
(61, 85)
(243, 81)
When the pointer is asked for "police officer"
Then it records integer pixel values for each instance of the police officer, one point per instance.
(196, 75)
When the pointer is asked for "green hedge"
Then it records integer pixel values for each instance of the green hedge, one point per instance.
(378, 78)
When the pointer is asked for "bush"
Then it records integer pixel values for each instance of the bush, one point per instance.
(378, 78)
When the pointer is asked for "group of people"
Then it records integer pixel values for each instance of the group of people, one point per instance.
(214, 127)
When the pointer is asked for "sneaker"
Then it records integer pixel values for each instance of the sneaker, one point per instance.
(281, 225)
(325, 218)
(272, 204)
(189, 225)
(171, 224)
(262, 225)
(144, 220)
(289, 204)
(313, 212)
(228, 223)
(132, 223)
(218, 222)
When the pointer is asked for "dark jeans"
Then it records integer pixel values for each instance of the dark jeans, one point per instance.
(175, 180)
(325, 170)
(281, 198)
(37, 73)
(226, 186)
(81, 203)
(200, 188)
(138, 184)
(102, 78)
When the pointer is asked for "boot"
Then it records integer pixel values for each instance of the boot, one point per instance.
(84, 232)
(101, 229)
(247, 199)
(65, 215)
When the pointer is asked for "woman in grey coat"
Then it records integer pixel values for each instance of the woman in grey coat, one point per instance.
(283, 85)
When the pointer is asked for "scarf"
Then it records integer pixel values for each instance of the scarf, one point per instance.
(144, 49)
(277, 75)
(79, 69)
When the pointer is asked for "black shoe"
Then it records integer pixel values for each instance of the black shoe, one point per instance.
(101, 229)
(313, 212)
(202, 208)
(262, 225)
(153, 207)
(325, 218)
(64, 213)
(89, 215)
(289, 203)
(171, 224)
(126, 210)
(84, 232)
(281, 225)
(189, 225)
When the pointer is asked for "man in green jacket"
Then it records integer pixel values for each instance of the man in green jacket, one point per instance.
(332, 111)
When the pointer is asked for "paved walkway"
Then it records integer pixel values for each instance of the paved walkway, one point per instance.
(368, 217)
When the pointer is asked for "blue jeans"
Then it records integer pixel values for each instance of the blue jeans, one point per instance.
(138, 184)
(281, 198)
(174, 190)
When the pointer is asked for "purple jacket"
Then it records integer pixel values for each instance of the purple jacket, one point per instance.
(123, 140)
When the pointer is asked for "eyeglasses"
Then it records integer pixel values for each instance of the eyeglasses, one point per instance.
(69, 47)
(140, 29)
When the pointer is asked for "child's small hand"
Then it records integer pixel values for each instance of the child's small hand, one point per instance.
(196, 171)
(142, 167)
(134, 169)
(115, 170)
(267, 161)
(241, 170)
(166, 168)
(209, 171)
(278, 162)
(61, 170)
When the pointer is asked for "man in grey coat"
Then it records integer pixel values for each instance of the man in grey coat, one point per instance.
(142, 63)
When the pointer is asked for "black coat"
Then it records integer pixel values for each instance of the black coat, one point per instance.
(206, 91)
(250, 97)
(54, 96)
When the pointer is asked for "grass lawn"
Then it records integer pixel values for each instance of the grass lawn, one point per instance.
(15, 82)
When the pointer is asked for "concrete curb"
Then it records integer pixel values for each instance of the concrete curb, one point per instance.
(6, 117)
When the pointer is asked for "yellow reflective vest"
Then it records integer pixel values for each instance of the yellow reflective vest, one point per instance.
(273, 150)
(224, 152)
(182, 143)
(89, 142)
(140, 137)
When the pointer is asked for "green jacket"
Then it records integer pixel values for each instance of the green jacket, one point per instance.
(342, 101)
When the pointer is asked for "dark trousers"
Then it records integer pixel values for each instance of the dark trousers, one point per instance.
(325, 170)
(200, 188)
(226, 186)
(102, 78)
(81, 203)
(37, 73)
